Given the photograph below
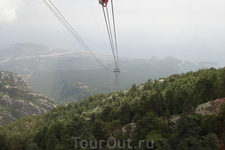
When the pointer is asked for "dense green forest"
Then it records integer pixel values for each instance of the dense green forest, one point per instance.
(138, 115)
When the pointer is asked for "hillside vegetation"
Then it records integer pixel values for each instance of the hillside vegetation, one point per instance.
(143, 112)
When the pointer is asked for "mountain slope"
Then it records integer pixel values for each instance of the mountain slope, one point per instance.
(142, 112)
(74, 85)
(17, 99)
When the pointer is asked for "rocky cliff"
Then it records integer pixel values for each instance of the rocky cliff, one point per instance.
(17, 99)
(11, 80)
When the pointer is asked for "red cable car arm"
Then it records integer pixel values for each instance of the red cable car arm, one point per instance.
(103, 2)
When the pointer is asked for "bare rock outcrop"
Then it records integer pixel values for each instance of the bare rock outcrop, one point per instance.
(13, 81)
(17, 100)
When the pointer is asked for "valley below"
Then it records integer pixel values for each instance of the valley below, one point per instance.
(69, 75)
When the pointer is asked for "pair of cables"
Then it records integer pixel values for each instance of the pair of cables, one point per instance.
(66, 24)
(111, 29)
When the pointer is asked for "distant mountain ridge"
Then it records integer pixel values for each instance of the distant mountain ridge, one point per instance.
(29, 57)
(17, 99)
(63, 73)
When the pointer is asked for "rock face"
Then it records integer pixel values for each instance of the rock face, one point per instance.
(14, 80)
(211, 107)
(17, 99)
(208, 108)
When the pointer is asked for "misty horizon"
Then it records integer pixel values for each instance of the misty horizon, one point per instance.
(188, 30)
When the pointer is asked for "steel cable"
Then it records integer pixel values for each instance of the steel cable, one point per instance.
(114, 25)
(66, 24)
(107, 21)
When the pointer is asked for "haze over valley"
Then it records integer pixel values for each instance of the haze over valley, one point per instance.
(71, 75)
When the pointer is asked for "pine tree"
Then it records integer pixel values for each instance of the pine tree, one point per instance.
(105, 113)
(222, 83)
(97, 128)
(2, 142)
(32, 146)
(51, 142)
(136, 117)
(169, 98)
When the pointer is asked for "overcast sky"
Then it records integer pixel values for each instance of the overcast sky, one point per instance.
(187, 29)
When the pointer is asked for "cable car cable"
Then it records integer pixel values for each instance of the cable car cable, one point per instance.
(97, 24)
(112, 39)
(106, 17)
(62, 19)
(77, 37)
(114, 25)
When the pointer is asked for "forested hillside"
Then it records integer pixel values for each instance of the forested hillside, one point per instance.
(143, 112)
